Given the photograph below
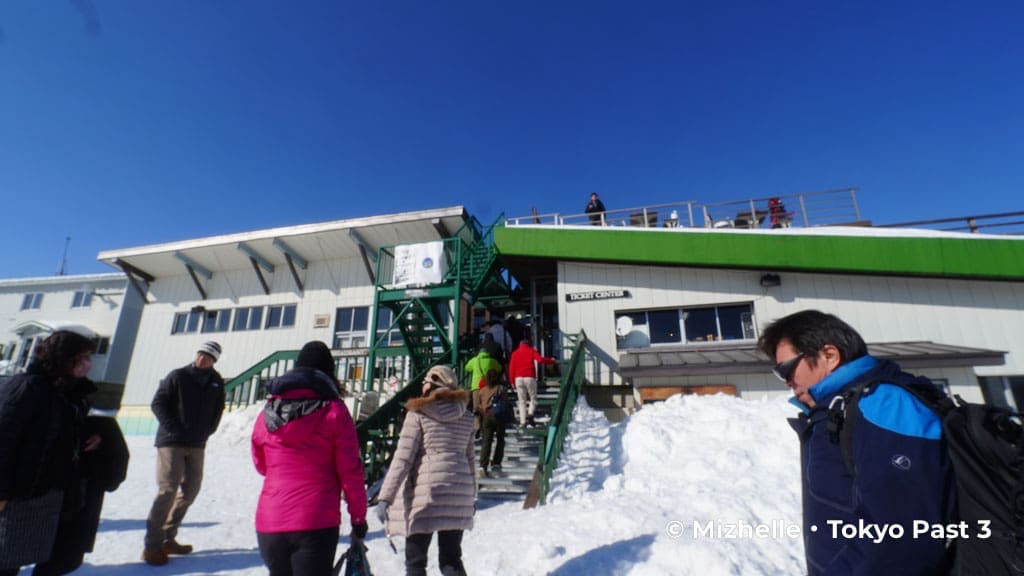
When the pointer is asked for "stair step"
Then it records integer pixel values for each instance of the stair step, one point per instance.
(508, 484)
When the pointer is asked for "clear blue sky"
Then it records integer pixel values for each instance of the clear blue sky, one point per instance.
(126, 123)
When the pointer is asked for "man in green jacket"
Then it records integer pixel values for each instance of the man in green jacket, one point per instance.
(478, 367)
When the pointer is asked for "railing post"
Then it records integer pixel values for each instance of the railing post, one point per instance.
(853, 199)
(803, 212)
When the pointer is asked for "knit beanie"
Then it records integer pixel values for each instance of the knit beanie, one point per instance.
(211, 349)
(316, 355)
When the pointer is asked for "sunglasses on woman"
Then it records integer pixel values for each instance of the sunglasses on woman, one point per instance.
(784, 370)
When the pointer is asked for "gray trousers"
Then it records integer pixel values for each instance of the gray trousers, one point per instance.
(177, 468)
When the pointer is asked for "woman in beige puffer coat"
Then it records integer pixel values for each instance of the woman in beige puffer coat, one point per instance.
(430, 486)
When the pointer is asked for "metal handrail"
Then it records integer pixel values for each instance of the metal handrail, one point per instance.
(822, 208)
(570, 388)
(972, 224)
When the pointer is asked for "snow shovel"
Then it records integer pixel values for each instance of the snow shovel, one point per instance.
(353, 562)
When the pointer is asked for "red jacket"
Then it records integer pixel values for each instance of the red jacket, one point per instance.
(308, 462)
(520, 365)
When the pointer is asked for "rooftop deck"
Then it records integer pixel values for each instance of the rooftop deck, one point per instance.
(836, 207)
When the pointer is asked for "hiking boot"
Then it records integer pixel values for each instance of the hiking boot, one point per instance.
(154, 556)
(482, 473)
(172, 547)
(496, 467)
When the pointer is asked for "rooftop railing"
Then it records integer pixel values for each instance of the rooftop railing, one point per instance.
(1001, 223)
(824, 208)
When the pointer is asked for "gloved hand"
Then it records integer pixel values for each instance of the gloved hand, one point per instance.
(381, 511)
(358, 531)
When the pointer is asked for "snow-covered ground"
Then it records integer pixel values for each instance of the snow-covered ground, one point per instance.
(659, 493)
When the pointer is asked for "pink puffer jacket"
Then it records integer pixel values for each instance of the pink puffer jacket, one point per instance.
(308, 462)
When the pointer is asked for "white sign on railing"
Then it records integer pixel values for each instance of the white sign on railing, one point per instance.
(419, 264)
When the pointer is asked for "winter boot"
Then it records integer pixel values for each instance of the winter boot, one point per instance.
(172, 547)
(154, 556)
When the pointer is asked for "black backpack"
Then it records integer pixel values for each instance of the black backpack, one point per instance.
(986, 448)
(501, 408)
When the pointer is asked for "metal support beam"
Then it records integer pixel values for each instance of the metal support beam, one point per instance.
(293, 258)
(288, 251)
(194, 270)
(366, 251)
(258, 261)
(259, 275)
(254, 255)
(134, 275)
(195, 266)
(295, 273)
(195, 280)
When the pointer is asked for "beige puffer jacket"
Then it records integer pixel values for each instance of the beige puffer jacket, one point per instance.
(431, 484)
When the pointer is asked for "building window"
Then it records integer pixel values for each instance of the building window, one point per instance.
(663, 326)
(216, 320)
(351, 327)
(82, 299)
(387, 337)
(640, 329)
(281, 316)
(32, 301)
(248, 318)
(186, 322)
(102, 345)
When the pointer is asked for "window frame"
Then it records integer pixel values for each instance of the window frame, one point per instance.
(82, 299)
(642, 318)
(32, 301)
(285, 316)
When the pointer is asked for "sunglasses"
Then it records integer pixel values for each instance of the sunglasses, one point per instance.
(784, 370)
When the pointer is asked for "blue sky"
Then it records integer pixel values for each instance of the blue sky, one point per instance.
(126, 123)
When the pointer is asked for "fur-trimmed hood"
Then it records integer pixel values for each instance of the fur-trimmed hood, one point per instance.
(441, 405)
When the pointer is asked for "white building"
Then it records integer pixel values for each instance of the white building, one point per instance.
(97, 305)
(260, 292)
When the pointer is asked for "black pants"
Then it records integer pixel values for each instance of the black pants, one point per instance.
(492, 428)
(10, 572)
(449, 553)
(303, 553)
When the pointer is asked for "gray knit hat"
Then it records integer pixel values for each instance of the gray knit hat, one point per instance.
(211, 349)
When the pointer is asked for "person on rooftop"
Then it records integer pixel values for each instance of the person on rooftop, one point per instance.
(595, 209)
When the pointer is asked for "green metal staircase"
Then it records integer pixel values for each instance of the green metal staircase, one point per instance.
(429, 319)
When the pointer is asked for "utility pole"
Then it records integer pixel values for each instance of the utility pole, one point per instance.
(64, 259)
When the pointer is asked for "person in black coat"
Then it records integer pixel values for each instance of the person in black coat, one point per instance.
(188, 403)
(97, 472)
(595, 209)
(39, 444)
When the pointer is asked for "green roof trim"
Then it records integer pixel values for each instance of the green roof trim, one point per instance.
(932, 256)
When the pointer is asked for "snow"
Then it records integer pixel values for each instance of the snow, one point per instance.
(623, 501)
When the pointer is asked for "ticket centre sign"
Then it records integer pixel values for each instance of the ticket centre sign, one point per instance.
(596, 295)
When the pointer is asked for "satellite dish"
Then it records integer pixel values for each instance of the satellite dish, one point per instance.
(623, 326)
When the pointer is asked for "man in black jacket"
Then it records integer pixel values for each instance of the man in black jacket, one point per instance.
(595, 210)
(188, 404)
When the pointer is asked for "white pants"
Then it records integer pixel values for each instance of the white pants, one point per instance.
(526, 387)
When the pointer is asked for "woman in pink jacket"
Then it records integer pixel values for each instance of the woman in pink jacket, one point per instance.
(305, 445)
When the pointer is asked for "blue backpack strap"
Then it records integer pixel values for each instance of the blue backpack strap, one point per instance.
(844, 411)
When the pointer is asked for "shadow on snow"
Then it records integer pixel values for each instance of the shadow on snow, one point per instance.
(610, 559)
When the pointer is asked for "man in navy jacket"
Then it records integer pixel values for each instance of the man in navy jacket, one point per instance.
(861, 521)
